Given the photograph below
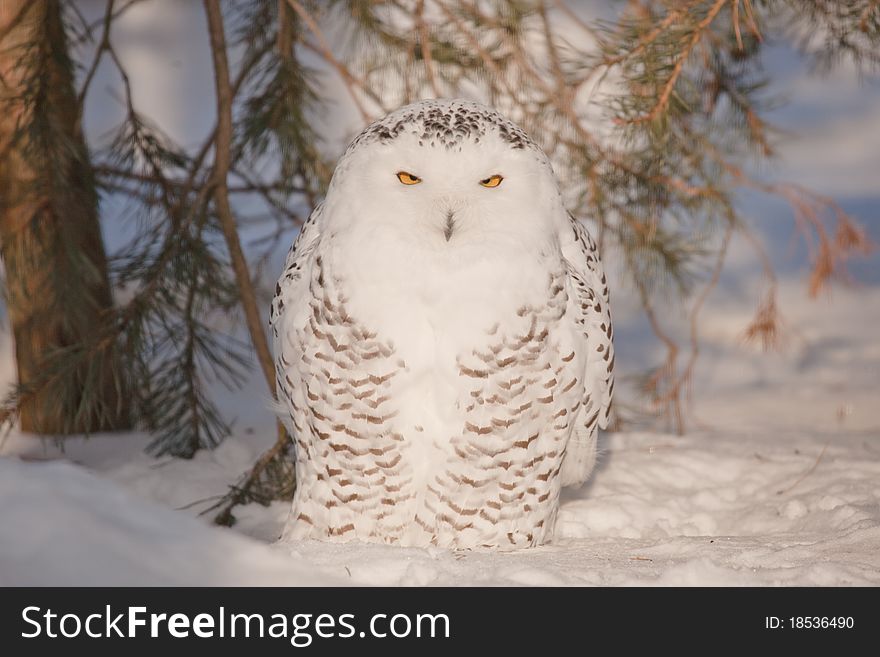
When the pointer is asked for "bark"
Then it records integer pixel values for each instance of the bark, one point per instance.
(56, 280)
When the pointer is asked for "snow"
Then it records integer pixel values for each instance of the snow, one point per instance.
(63, 525)
(671, 511)
(782, 488)
(719, 508)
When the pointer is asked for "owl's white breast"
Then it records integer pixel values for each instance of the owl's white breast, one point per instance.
(435, 299)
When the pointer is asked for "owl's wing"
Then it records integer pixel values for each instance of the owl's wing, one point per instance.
(589, 307)
(290, 300)
(292, 284)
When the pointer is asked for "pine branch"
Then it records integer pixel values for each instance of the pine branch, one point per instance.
(323, 48)
(222, 163)
(681, 58)
(103, 46)
(425, 45)
(272, 477)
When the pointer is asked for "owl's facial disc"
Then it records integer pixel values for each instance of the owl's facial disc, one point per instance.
(410, 179)
(450, 181)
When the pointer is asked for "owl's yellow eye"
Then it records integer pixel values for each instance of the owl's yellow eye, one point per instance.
(408, 178)
(492, 181)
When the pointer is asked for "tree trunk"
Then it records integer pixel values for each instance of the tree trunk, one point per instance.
(57, 285)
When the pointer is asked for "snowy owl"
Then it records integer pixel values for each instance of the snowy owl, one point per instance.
(442, 335)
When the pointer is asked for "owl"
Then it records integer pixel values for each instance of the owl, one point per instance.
(442, 339)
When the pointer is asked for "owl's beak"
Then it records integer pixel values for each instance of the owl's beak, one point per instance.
(450, 225)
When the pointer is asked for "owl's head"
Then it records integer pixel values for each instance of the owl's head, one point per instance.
(453, 170)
